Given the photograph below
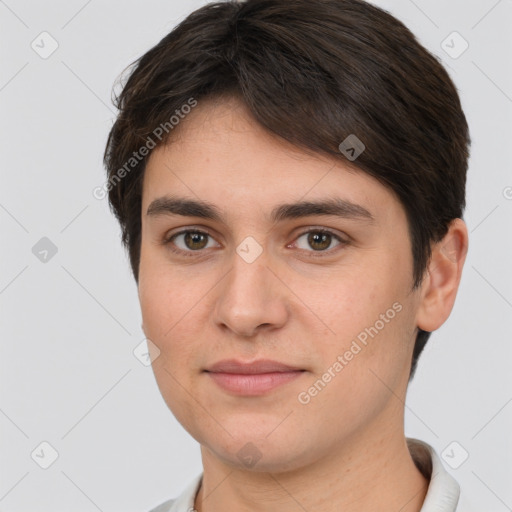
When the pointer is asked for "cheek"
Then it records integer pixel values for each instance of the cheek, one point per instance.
(160, 315)
(165, 312)
(172, 305)
(367, 313)
(163, 296)
(156, 305)
(350, 301)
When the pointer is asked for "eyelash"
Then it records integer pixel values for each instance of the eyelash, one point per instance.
(168, 241)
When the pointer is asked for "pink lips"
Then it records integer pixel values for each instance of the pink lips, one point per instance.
(252, 379)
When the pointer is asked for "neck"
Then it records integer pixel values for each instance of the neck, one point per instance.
(359, 476)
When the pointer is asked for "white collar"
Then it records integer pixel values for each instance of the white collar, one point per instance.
(443, 490)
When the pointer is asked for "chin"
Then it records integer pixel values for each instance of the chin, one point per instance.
(260, 454)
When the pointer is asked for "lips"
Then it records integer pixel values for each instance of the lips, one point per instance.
(256, 367)
(252, 379)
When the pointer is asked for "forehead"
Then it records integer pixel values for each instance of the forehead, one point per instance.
(220, 155)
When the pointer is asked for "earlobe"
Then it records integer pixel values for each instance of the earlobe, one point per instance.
(441, 282)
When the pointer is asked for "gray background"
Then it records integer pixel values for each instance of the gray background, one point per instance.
(69, 324)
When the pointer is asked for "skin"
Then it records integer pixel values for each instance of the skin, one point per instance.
(346, 448)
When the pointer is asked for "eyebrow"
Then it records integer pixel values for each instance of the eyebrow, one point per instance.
(172, 205)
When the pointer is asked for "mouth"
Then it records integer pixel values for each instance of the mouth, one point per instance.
(255, 367)
(252, 379)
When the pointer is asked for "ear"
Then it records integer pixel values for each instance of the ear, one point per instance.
(442, 278)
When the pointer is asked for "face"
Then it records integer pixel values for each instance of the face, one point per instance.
(326, 291)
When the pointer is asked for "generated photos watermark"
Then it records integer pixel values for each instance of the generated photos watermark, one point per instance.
(305, 397)
(151, 142)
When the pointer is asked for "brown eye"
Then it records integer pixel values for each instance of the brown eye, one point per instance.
(189, 241)
(318, 240)
(195, 240)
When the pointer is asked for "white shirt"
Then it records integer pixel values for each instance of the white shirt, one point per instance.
(442, 494)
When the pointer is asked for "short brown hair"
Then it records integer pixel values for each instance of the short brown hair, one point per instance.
(312, 72)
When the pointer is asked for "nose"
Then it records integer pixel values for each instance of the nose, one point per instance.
(251, 298)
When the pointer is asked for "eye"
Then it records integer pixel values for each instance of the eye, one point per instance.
(188, 241)
(319, 240)
(192, 242)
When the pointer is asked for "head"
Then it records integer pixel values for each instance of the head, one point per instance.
(244, 110)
